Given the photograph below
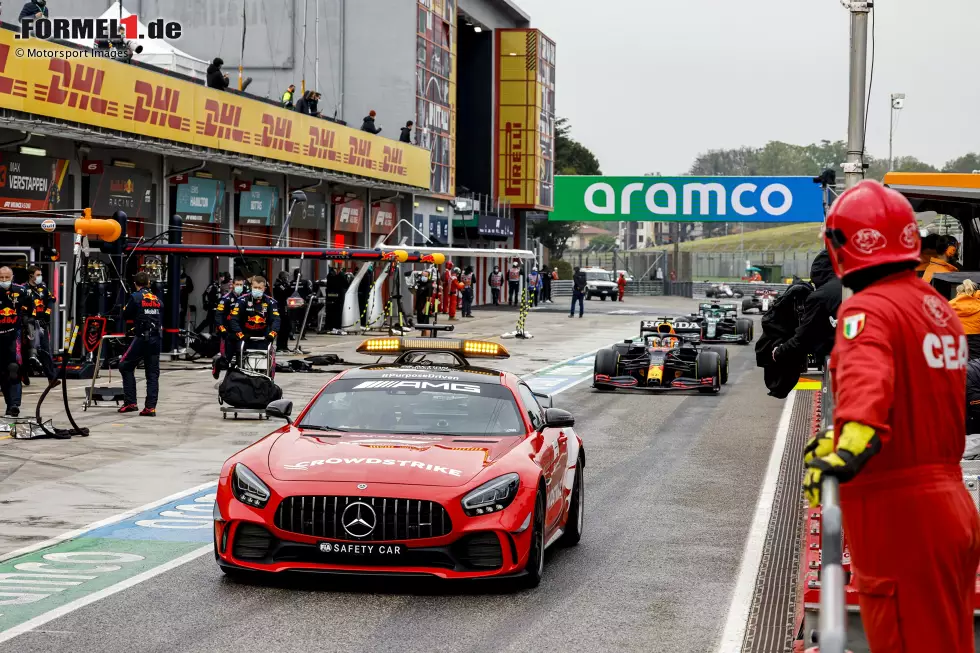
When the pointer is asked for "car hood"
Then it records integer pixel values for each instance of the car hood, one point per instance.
(446, 461)
(605, 284)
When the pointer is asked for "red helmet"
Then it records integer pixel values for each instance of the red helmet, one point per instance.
(449, 265)
(870, 225)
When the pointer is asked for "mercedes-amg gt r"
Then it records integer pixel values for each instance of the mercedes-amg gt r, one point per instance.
(427, 466)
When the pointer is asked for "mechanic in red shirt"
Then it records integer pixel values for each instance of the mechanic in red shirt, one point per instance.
(899, 378)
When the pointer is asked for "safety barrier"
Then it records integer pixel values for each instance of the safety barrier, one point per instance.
(654, 288)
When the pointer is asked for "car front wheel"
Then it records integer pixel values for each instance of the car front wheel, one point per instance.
(576, 509)
(534, 569)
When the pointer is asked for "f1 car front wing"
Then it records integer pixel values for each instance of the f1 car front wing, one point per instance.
(680, 383)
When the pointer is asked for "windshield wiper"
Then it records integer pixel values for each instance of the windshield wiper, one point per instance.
(317, 427)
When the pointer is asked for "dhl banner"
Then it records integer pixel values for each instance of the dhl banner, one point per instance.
(100, 92)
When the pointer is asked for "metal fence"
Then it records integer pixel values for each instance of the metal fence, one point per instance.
(698, 266)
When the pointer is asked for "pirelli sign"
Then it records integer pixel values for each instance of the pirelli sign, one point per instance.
(525, 117)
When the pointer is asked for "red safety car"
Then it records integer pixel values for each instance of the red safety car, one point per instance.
(426, 466)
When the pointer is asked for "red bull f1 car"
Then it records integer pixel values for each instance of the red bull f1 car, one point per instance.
(429, 466)
(662, 360)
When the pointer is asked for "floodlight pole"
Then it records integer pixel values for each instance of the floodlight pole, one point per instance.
(854, 166)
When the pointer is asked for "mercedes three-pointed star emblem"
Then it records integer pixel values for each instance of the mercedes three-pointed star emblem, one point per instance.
(359, 519)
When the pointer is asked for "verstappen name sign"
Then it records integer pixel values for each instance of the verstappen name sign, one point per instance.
(688, 199)
(103, 93)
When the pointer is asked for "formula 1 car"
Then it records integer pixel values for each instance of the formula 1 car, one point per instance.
(713, 323)
(761, 301)
(721, 323)
(722, 291)
(663, 360)
(428, 466)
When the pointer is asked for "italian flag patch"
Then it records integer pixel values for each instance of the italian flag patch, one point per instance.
(853, 325)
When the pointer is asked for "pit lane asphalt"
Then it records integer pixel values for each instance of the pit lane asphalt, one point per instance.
(671, 485)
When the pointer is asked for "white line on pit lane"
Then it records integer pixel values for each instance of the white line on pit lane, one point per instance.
(81, 602)
(57, 539)
(738, 612)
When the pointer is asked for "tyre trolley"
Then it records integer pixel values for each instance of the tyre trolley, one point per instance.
(257, 361)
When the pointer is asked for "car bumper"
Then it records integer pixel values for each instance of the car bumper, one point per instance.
(488, 546)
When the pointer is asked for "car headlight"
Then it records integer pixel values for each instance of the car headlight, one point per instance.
(249, 488)
(591, 287)
(492, 496)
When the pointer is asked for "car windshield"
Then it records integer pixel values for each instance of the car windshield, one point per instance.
(598, 276)
(393, 405)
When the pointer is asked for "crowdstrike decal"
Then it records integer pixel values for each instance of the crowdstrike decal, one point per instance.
(304, 466)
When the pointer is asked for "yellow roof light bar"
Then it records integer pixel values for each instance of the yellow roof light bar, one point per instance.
(468, 348)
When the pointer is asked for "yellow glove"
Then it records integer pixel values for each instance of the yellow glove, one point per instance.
(819, 446)
(857, 444)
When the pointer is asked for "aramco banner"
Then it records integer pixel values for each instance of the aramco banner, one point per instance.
(688, 199)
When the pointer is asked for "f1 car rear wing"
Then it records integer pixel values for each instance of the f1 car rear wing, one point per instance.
(723, 307)
(686, 327)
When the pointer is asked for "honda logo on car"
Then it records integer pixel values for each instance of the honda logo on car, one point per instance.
(419, 385)
(686, 325)
(712, 199)
(375, 461)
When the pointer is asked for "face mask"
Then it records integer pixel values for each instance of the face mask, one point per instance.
(4, 284)
(257, 292)
(38, 279)
(239, 289)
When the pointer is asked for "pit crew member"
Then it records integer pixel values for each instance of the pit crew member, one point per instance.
(39, 303)
(899, 378)
(13, 307)
(254, 315)
(145, 311)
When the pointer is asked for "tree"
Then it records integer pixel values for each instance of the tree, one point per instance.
(604, 241)
(966, 163)
(571, 158)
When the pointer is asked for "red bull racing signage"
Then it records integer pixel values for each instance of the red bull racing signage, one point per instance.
(688, 199)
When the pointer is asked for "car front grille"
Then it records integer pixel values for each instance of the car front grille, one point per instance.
(394, 519)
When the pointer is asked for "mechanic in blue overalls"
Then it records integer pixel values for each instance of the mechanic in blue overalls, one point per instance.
(222, 320)
(145, 311)
(13, 307)
(255, 315)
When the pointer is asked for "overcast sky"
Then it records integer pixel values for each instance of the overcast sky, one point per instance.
(649, 84)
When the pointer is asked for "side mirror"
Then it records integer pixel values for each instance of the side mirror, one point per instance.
(545, 401)
(556, 418)
(281, 409)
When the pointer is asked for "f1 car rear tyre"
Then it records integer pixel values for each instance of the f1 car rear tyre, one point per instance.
(723, 360)
(606, 362)
(709, 363)
(744, 328)
(535, 559)
(576, 509)
(746, 305)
